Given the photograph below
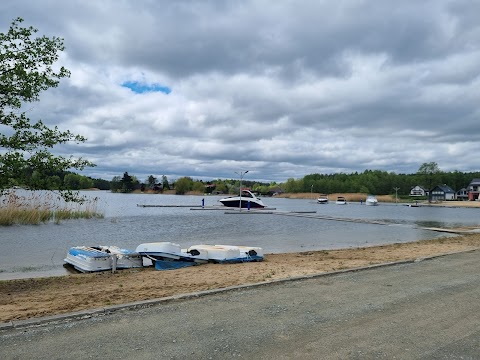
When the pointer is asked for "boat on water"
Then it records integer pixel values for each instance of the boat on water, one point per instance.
(371, 200)
(322, 199)
(102, 258)
(246, 199)
(341, 201)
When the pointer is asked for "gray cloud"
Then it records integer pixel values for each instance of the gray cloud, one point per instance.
(282, 89)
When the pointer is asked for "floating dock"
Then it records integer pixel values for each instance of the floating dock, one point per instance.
(167, 206)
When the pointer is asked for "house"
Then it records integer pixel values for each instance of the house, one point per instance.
(473, 189)
(442, 193)
(418, 191)
(462, 194)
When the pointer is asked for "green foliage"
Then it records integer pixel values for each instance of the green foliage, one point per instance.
(151, 181)
(183, 185)
(101, 184)
(77, 182)
(127, 183)
(26, 69)
(429, 173)
(221, 187)
(198, 186)
(115, 184)
(165, 184)
(379, 182)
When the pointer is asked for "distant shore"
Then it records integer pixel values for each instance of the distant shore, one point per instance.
(358, 197)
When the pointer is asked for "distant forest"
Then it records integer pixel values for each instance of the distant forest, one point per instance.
(377, 182)
(370, 181)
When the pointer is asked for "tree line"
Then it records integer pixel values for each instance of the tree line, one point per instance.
(380, 182)
(370, 181)
(128, 183)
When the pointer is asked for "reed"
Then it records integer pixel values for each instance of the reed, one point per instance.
(34, 208)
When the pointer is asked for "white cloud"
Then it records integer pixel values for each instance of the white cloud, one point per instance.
(280, 89)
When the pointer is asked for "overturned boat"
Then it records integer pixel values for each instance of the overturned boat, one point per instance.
(230, 253)
(168, 255)
(125, 259)
(102, 258)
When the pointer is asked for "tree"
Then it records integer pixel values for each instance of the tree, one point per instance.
(183, 185)
(151, 181)
(428, 171)
(198, 186)
(115, 184)
(127, 183)
(25, 71)
(72, 181)
(165, 184)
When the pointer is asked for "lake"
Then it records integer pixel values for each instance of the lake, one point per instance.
(39, 250)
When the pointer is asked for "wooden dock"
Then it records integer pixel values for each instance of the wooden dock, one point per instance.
(168, 206)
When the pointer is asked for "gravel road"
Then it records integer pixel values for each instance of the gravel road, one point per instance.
(423, 310)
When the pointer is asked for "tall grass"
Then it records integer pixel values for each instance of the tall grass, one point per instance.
(33, 208)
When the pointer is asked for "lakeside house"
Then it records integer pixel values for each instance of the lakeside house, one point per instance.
(418, 191)
(462, 194)
(473, 189)
(442, 193)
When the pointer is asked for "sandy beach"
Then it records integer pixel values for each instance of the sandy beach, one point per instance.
(30, 298)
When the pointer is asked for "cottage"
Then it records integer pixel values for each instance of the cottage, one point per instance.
(462, 194)
(473, 189)
(442, 193)
(418, 191)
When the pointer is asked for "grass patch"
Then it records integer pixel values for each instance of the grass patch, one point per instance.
(34, 208)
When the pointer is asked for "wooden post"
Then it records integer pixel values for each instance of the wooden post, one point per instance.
(114, 263)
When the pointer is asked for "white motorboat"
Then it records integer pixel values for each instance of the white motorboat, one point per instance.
(101, 258)
(322, 199)
(246, 199)
(371, 200)
(341, 201)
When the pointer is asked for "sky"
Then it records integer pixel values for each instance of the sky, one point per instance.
(283, 89)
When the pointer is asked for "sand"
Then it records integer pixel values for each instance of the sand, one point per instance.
(30, 298)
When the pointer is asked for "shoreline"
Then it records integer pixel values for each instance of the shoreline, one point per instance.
(37, 297)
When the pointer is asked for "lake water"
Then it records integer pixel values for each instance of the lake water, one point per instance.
(39, 250)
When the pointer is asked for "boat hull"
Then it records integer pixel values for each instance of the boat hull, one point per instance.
(231, 253)
(126, 259)
(169, 251)
(245, 203)
(246, 199)
(87, 259)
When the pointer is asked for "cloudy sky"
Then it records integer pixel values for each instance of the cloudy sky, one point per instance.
(280, 88)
